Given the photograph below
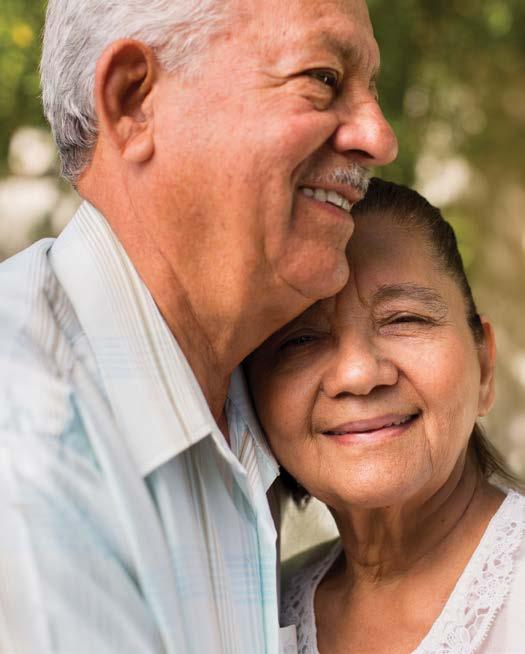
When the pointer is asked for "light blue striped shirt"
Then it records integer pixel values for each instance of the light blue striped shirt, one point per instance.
(127, 524)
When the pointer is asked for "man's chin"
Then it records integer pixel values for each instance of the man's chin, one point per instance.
(319, 279)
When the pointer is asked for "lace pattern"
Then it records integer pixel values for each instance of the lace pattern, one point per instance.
(483, 587)
(471, 609)
(298, 601)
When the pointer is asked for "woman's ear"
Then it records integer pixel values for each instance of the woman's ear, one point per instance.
(487, 361)
(124, 83)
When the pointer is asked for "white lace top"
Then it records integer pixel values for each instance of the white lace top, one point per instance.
(485, 612)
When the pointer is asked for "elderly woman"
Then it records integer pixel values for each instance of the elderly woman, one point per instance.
(369, 400)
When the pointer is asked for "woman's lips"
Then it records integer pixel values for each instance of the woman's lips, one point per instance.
(372, 429)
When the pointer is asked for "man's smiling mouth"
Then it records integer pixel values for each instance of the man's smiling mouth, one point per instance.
(328, 196)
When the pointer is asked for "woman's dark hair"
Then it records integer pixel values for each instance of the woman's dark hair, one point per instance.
(409, 209)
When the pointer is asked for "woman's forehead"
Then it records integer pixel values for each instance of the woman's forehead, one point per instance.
(381, 249)
(373, 296)
(389, 261)
(379, 235)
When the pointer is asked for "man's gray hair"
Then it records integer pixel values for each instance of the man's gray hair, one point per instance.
(76, 34)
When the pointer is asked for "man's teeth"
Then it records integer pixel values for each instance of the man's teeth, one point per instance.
(332, 197)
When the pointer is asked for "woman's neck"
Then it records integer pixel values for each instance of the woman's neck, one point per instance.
(383, 544)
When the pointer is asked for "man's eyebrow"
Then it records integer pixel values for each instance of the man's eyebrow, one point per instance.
(349, 52)
(428, 296)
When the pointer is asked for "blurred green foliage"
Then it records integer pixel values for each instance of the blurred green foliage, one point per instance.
(459, 62)
(20, 30)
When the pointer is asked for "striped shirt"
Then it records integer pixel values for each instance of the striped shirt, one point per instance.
(127, 524)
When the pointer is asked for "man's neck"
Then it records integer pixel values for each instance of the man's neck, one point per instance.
(188, 327)
(173, 302)
(215, 325)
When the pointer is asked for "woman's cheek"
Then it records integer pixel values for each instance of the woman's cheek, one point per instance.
(455, 367)
(286, 413)
(451, 412)
(435, 365)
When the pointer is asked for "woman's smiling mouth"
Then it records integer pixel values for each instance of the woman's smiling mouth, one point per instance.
(372, 430)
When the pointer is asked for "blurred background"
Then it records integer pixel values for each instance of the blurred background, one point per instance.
(453, 86)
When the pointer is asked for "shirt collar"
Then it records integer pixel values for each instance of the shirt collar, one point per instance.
(152, 390)
(241, 403)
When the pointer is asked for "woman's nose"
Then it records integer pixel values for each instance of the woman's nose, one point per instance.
(356, 368)
(365, 135)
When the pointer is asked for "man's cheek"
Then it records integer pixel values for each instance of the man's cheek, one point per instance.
(303, 134)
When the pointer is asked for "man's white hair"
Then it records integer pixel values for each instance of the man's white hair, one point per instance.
(76, 34)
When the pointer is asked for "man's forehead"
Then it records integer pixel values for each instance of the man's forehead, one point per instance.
(343, 26)
(335, 19)
(355, 10)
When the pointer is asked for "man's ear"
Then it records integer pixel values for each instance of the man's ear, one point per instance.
(487, 360)
(124, 82)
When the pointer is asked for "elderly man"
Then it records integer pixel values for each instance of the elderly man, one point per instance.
(219, 147)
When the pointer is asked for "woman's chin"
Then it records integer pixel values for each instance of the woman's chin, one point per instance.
(374, 491)
(369, 501)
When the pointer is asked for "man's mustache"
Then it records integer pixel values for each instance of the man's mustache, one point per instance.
(351, 175)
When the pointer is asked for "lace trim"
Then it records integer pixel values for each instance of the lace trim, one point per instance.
(298, 601)
(483, 587)
(469, 613)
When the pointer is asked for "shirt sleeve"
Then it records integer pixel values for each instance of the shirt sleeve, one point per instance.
(67, 582)
(20, 595)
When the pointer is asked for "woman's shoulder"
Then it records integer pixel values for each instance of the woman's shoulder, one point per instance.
(507, 565)
(482, 614)
(299, 564)
(300, 577)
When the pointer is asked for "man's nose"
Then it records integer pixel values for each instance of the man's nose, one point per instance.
(357, 367)
(365, 134)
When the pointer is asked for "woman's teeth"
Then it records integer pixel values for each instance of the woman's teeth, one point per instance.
(401, 422)
(397, 423)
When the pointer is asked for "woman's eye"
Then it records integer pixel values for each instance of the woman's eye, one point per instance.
(327, 77)
(407, 318)
(297, 341)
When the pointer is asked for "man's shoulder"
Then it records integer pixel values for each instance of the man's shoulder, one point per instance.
(37, 324)
(41, 430)
(26, 286)
(33, 304)
(23, 268)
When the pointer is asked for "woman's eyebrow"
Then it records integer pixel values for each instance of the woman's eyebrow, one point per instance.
(423, 294)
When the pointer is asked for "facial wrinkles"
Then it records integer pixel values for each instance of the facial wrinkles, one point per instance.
(427, 297)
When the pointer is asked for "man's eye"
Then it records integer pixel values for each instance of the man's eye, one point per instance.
(327, 77)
